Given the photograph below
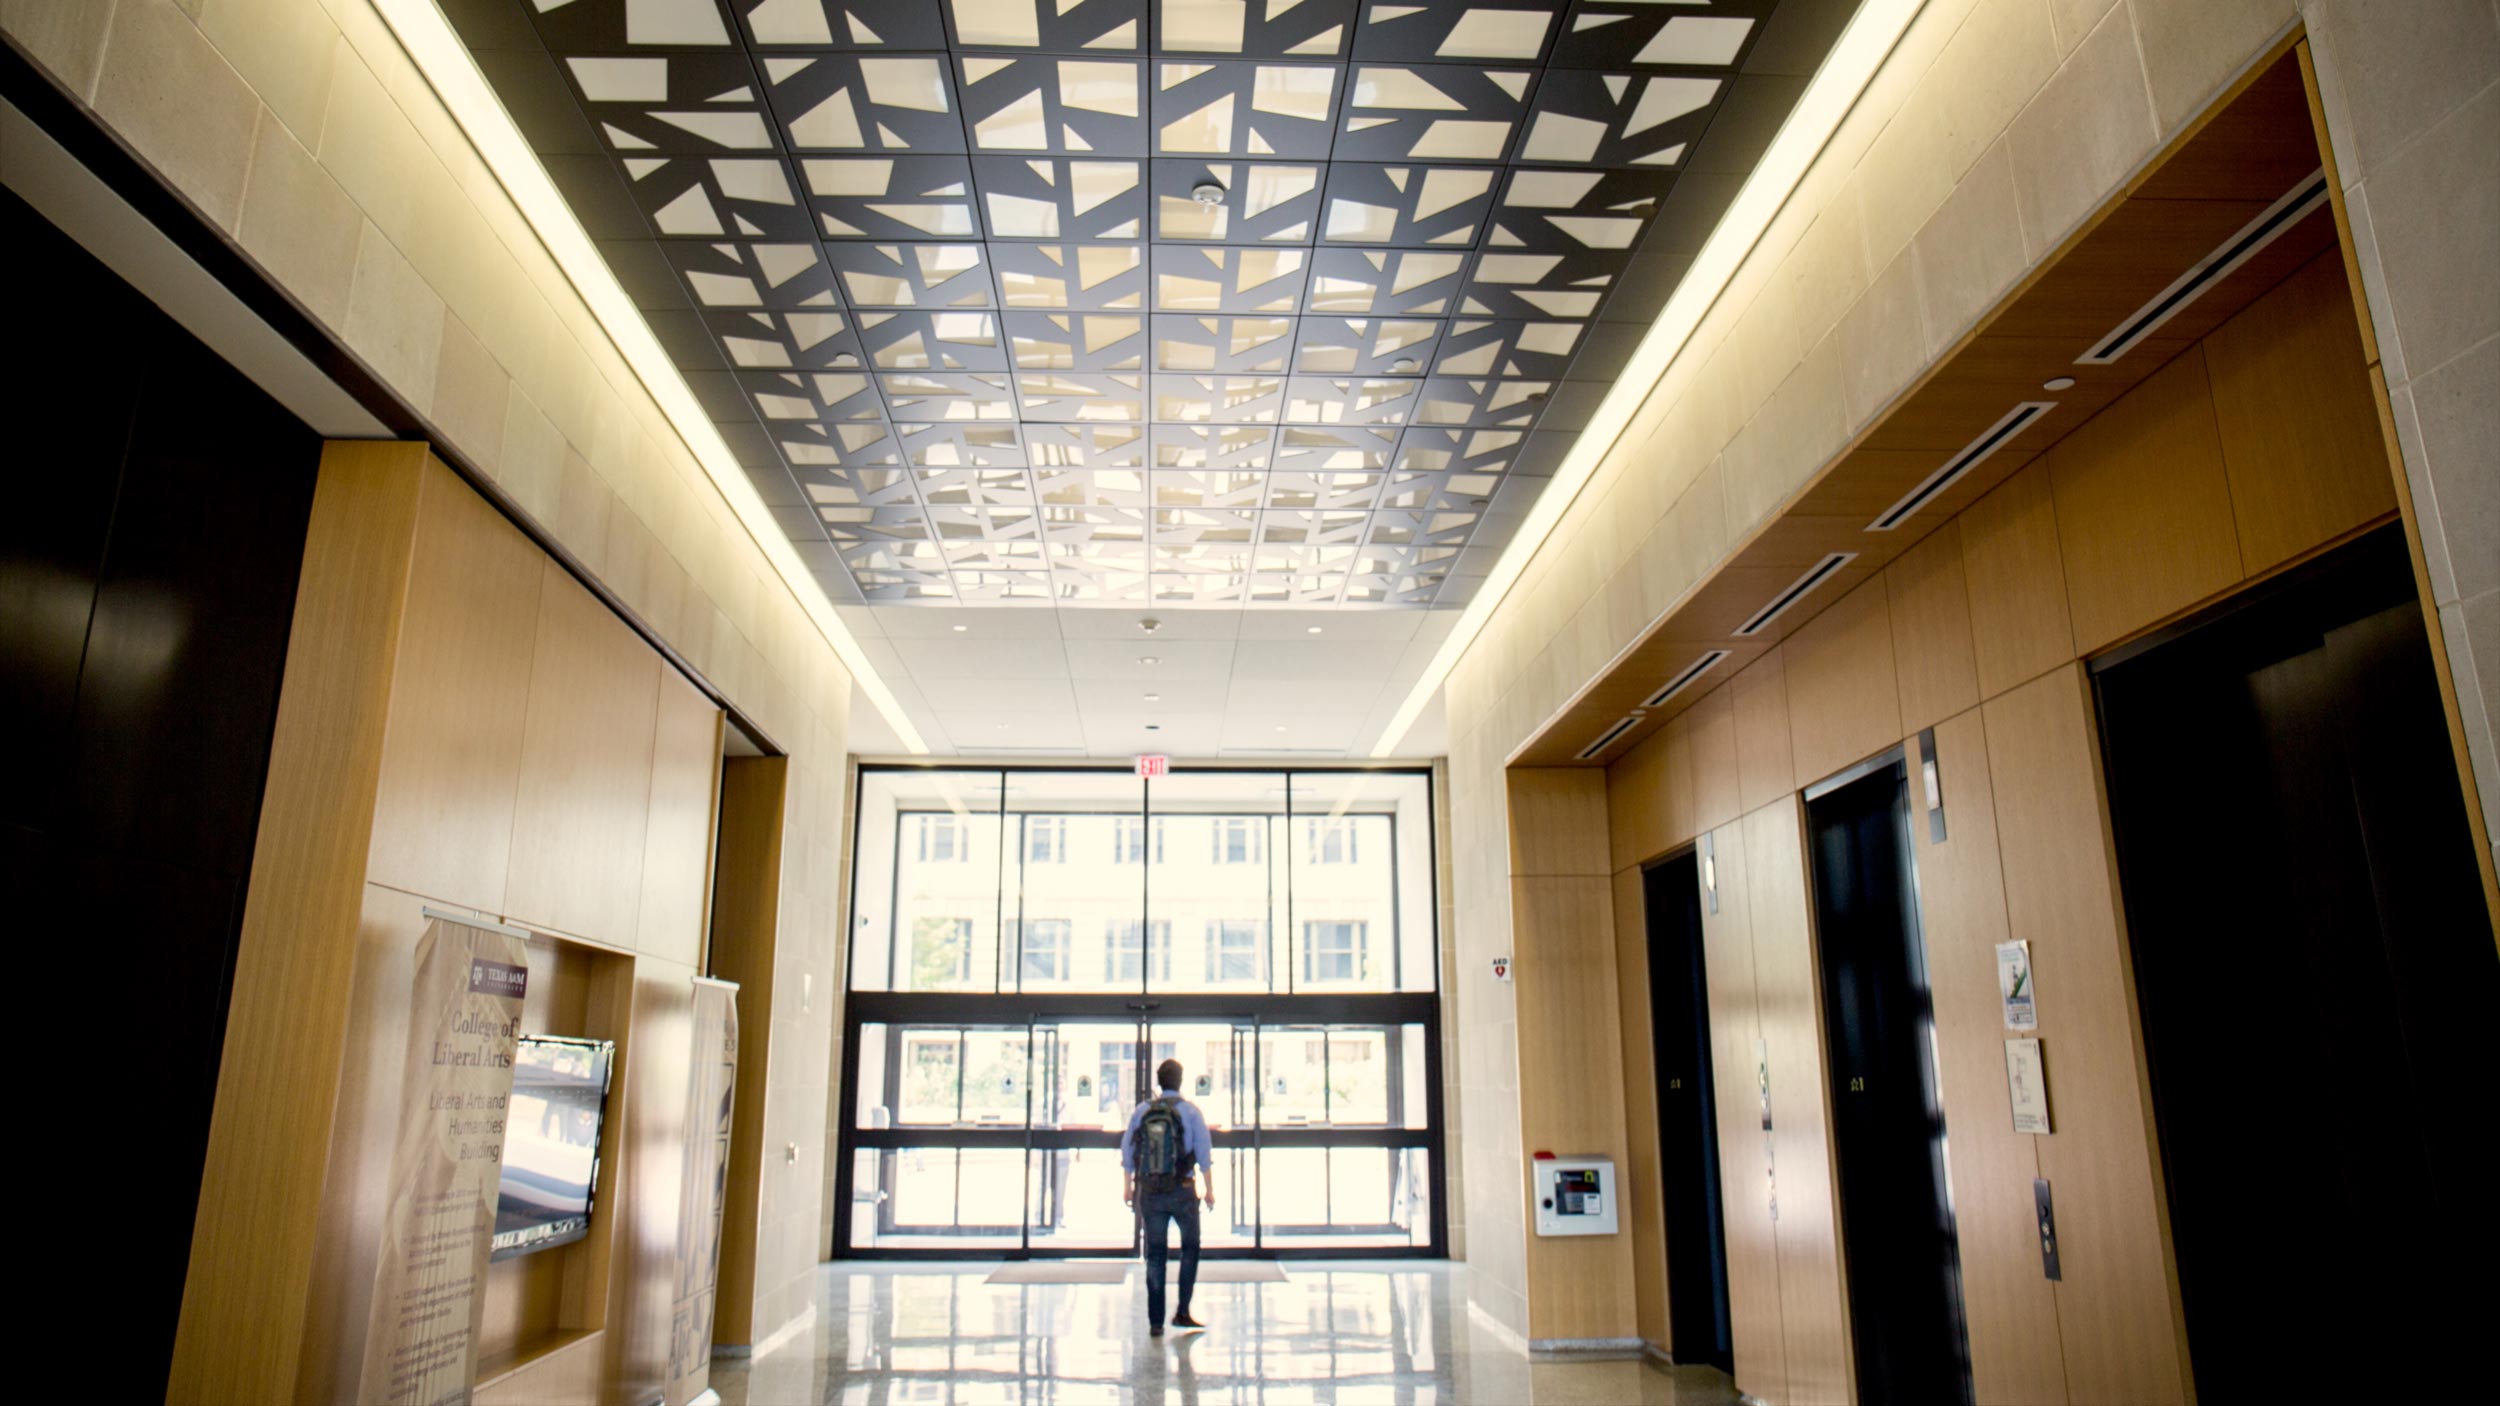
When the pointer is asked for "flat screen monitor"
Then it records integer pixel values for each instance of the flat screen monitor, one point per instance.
(551, 1143)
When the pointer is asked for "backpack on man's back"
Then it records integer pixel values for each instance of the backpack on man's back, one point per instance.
(1160, 1144)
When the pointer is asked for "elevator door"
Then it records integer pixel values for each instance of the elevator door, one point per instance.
(1904, 1263)
(2316, 977)
(1688, 1130)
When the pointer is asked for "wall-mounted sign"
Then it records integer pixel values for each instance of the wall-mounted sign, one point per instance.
(2027, 1085)
(1154, 765)
(1501, 970)
(2014, 985)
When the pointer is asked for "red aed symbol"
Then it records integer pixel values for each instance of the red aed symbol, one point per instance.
(1501, 969)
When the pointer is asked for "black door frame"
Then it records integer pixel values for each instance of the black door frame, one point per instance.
(1684, 1319)
(1890, 764)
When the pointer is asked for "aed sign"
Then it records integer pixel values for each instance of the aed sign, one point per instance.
(1501, 969)
(1154, 766)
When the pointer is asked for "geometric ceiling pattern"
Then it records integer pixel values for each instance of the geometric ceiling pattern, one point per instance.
(1172, 302)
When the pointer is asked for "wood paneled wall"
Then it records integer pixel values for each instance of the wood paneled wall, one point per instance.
(1580, 1290)
(2249, 451)
(461, 725)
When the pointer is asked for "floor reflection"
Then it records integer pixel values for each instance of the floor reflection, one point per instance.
(1336, 1334)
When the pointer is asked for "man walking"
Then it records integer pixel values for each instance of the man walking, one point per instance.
(1166, 1138)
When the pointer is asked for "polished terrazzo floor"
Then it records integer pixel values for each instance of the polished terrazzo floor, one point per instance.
(1334, 1334)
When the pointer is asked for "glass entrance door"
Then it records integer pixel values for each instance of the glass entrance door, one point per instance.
(1030, 945)
(1092, 1073)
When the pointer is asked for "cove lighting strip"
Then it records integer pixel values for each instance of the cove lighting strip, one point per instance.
(445, 62)
(1846, 71)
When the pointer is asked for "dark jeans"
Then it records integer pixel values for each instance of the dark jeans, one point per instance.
(1159, 1209)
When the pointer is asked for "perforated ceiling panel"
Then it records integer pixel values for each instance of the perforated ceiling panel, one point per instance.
(1171, 302)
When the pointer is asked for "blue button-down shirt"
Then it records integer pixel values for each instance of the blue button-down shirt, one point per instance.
(1197, 1145)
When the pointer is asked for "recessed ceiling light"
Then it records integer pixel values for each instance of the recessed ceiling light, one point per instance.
(1149, 624)
(1002, 727)
(1280, 727)
(1154, 727)
(1154, 697)
(2058, 383)
(1404, 365)
(1311, 629)
(1207, 193)
(1148, 659)
(959, 629)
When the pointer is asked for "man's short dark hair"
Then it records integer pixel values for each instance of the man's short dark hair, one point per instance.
(1168, 1074)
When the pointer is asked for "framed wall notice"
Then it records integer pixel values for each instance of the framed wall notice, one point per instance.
(2026, 1081)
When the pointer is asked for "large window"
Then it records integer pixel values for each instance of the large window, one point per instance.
(1045, 954)
(1333, 952)
(1140, 951)
(1027, 946)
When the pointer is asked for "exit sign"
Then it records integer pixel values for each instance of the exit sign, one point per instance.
(1154, 766)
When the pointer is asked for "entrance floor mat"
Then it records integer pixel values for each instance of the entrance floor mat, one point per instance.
(1063, 1272)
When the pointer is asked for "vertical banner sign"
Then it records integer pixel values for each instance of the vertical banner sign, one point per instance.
(711, 1090)
(428, 1291)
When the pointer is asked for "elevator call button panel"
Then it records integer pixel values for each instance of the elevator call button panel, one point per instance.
(1576, 1196)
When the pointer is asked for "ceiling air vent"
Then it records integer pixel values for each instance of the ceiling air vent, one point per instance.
(1964, 460)
(2233, 252)
(1692, 671)
(1815, 576)
(1606, 739)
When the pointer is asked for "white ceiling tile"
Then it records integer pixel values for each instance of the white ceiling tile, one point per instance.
(1172, 695)
(1015, 728)
(963, 657)
(1255, 698)
(979, 621)
(1177, 659)
(1318, 660)
(1333, 624)
(1332, 732)
(953, 695)
(1174, 734)
(1095, 623)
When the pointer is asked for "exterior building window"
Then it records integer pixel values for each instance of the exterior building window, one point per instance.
(1129, 839)
(1333, 951)
(1045, 839)
(942, 840)
(1045, 950)
(1328, 841)
(1233, 950)
(1128, 948)
(941, 952)
(1240, 839)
